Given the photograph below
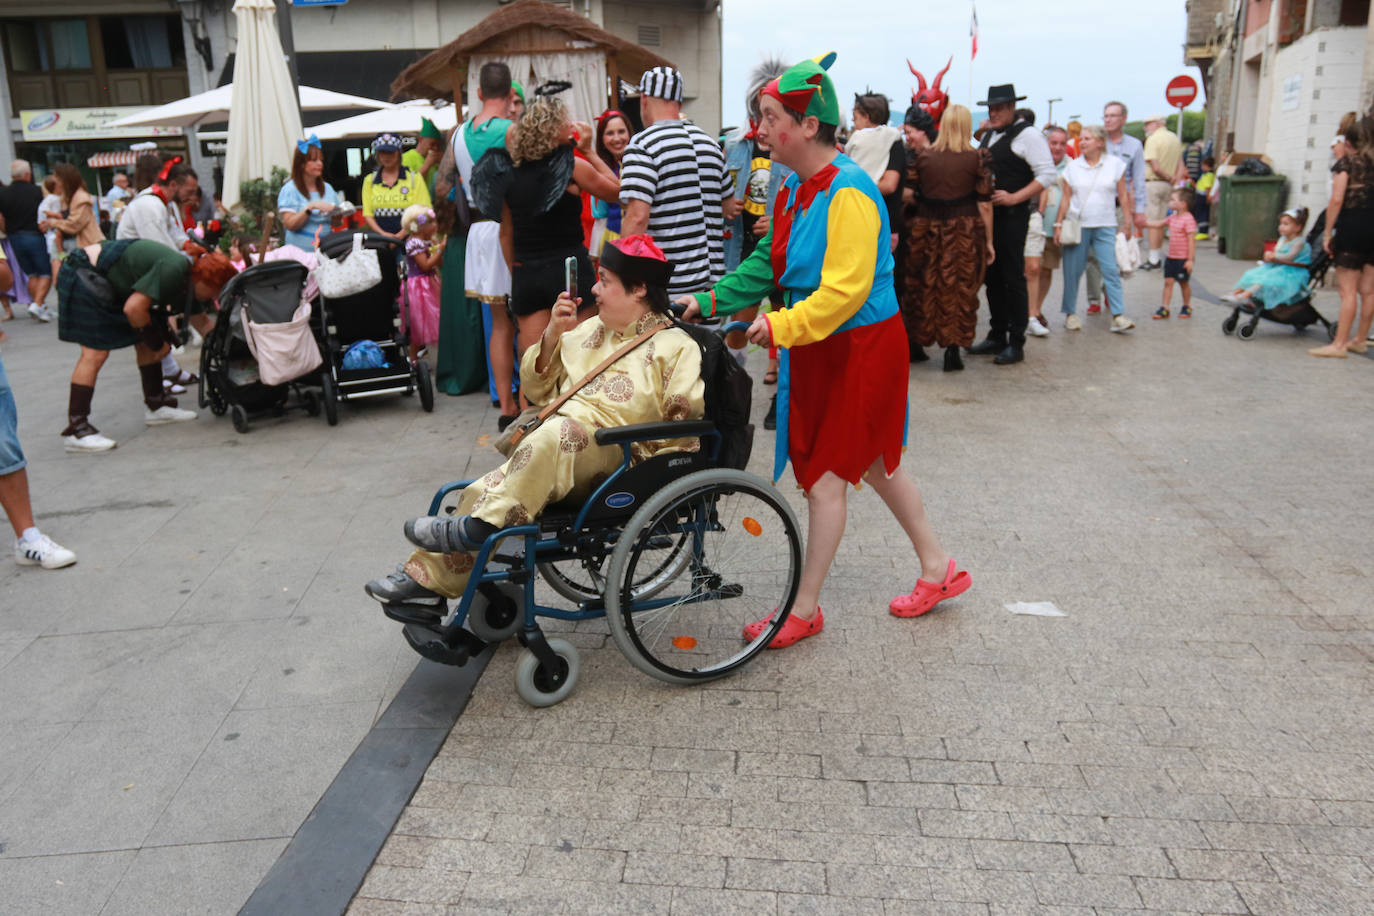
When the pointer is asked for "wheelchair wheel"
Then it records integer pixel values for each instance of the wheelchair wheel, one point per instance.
(538, 686)
(497, 611)
(584, 579)
(742, 563)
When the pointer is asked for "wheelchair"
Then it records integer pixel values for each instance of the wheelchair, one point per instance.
(677, 553)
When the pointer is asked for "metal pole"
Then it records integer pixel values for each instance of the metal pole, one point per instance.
(288, 46)
(1049, 116)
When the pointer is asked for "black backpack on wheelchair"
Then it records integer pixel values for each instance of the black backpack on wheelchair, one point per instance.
(729, 396)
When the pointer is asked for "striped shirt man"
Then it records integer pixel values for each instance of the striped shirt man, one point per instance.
(679, 171)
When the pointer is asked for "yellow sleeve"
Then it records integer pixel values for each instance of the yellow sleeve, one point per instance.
(367, 196)
(541, 388)
(851, 256)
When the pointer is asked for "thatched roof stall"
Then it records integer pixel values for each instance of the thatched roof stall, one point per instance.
(539, 41)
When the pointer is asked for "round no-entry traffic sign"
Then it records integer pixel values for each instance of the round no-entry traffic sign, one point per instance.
(1181, 91)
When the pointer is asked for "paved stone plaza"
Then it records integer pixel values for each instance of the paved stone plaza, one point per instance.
(1195, 735)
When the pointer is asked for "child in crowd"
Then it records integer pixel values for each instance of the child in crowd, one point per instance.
(423, 256)
(1178, 260)
(50, 209)
(241, 251)
(1202, 204)
(1282, 278)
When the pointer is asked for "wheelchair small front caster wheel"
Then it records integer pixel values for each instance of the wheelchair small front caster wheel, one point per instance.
(497, 612)
(539, 686)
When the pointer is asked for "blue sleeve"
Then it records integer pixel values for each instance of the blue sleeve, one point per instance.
(290, 198)
(1138, 178)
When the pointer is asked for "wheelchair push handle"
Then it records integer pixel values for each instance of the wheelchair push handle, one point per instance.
(717, 324)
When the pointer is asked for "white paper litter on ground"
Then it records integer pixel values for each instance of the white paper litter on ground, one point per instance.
(1035, 608)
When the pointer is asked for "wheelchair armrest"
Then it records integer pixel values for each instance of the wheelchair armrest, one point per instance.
(644, 432)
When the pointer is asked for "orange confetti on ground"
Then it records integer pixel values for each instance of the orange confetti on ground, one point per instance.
(753, 527)
(684, 643)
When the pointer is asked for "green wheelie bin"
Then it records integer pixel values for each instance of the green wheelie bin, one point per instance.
(1250, 207)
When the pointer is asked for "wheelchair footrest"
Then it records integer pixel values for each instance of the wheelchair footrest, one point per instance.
(447, 646)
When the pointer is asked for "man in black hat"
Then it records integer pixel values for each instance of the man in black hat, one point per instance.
(1023, 167)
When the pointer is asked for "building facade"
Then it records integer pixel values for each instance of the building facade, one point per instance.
(125, 54)
(1279, 75)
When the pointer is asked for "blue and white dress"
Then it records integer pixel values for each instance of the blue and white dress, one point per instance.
(1280, 284)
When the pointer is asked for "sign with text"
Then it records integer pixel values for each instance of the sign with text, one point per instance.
(1181, 91)
(86, 124)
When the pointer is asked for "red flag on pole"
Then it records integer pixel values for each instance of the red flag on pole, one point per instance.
(973, 32)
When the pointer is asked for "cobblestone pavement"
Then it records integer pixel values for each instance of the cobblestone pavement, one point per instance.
(1194, 736)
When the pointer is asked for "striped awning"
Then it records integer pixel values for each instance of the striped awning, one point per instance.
(111, 159)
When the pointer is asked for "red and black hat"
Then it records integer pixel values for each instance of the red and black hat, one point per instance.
(636, 259)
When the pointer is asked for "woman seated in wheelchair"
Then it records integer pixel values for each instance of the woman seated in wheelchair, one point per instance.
(658, 380)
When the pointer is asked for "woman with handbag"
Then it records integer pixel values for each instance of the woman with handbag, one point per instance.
(1086, 219)
(949, 239)
(626, 365)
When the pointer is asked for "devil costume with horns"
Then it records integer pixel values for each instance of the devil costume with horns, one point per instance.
(931, 99)
(842, 384)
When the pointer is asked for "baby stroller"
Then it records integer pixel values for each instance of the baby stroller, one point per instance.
(231, 378)
(370, 315)
(678, 553)
(1297, 315)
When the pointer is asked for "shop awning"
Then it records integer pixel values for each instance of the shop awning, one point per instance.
(112, 159)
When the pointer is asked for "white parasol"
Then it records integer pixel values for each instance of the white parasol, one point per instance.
(397, 119)
(263, 117)
(213, 107)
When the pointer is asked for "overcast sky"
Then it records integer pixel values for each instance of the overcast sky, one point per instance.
(1084, 51)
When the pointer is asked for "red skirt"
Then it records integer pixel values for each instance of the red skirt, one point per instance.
(847, 402)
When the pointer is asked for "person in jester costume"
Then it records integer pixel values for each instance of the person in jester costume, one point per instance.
(843, 376)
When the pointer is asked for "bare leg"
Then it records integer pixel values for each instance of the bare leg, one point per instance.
(503, 358)
(144, 356)
(1348, 282)
(14, 499)
(1033, 294)
(38, 289)
(1042, 287)
(203, 324)
(825, 519)
(532, 328)
(88, 366)
(903, 499)
(1366, 290)
(1187, 290)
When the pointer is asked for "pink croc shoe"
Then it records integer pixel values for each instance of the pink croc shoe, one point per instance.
(794, 629)
(927, 594)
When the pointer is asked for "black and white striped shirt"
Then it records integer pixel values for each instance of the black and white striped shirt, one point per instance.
(679, 171)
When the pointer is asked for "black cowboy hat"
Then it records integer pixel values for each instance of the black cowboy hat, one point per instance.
(1004, 94)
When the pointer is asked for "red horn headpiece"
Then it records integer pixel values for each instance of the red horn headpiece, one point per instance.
(931, 98)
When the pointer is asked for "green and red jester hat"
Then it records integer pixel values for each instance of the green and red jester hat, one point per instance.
(806, 89)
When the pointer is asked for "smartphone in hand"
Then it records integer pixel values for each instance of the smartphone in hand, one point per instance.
(570, 277)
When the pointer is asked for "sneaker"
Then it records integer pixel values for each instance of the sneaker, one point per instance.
(1229, 298)
(1121, 323)
(1152, 265)
(91, 442)
(172, 387)
(1072, 323)
(37, 311)
(1035, 327)
(1186, 312)
(1160, 314)
(42, 551)
(1094, 307)
(1201, 237)
(166, 414)
(399, 588)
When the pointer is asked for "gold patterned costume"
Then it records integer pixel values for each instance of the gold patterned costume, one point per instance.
(658, 380)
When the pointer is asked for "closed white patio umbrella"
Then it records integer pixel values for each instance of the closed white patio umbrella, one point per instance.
(213, 107)
(264, 120)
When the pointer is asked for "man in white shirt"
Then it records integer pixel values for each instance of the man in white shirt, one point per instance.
(1023, 167)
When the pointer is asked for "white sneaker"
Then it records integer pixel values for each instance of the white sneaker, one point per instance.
(1121, 323)
(43, 551)
(37, 311)
(1073, 323)
(167, 414)
(93, 442)
(1036, 327)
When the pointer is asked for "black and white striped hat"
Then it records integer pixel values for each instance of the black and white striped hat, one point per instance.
(661, 83)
